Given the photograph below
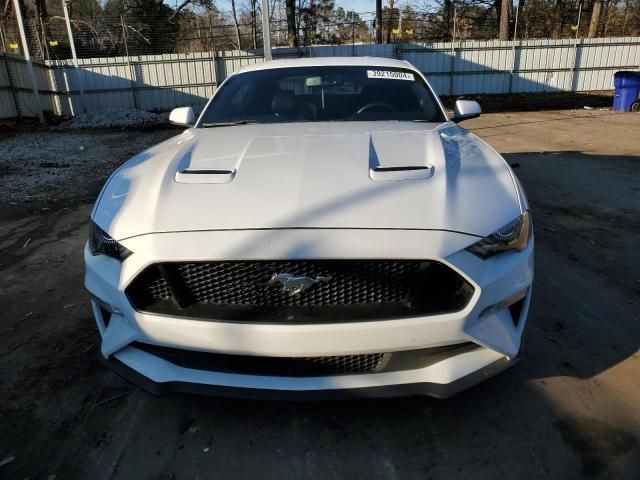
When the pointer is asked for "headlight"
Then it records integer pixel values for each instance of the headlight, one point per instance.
(101, 243)
(513, 237)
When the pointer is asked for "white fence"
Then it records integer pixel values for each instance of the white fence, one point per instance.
(161, 82)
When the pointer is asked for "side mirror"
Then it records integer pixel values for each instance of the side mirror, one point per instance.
(466, 109)
(182, 116)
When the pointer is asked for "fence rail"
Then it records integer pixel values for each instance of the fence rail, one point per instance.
(162, 82)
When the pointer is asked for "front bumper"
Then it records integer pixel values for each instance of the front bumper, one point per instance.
(494, 331)
(217, 387)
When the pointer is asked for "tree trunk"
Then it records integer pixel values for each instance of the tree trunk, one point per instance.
(43, 16)
(558, 25)
(595, 19)
(504, 20)
(235, 23)
(447, 17)
(254, 25)
(390, 22)
(41, 9)
(606, 16)
(627, 16)
(378, 21)
(292, 32)
(179, 9)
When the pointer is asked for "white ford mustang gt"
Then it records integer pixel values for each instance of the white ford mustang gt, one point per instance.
(323, 229)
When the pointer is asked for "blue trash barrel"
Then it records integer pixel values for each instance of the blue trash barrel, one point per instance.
(626, 90)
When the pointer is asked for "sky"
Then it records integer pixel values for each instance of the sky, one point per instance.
(357, 5)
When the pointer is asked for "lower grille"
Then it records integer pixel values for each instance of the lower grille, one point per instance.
(305, 366)
(346, 290)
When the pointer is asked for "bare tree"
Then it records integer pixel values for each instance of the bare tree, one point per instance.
(202, 3)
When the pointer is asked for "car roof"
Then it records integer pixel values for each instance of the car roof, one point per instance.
(328, 61)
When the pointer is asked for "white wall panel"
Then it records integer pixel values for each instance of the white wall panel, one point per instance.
(162, 82)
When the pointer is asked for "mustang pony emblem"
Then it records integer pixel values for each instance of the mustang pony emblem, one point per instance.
(294, 284)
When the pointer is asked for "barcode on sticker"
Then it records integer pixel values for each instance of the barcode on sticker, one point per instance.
(390, 75)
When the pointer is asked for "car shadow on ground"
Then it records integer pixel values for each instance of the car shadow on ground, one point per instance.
(555, 415)
(568, 410)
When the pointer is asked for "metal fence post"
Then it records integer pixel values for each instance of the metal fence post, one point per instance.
(513, 50)
(132, 70)
(213, 38)
(4, 45)
(353, 39)
(12, 85)
(27, 57)
(75, 57)
(453, 51)
(574, 78)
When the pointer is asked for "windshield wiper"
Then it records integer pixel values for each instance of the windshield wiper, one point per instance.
(227, 124)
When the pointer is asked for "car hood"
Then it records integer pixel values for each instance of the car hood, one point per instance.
(373, 175)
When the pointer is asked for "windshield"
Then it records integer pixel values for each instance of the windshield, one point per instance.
(319, 94)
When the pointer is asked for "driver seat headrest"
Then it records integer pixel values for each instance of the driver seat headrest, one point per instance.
(283, 102)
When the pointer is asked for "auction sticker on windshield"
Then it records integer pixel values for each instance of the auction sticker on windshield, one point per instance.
(390, 75)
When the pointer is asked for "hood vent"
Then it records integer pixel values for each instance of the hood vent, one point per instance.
(379, 173)
(205, 176)
(403, 155)
(202, 175)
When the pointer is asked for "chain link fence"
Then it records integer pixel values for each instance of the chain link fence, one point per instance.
(145, 33)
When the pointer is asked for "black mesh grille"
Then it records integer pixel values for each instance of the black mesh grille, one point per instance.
(351, 290)
(305, 366)
(158, 288)
(348, 363)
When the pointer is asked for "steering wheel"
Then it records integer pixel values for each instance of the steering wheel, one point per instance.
(369, 106)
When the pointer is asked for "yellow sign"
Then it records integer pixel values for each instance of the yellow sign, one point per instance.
(13, 45)
(395, 31)
(53, 43)
(409, 31)
(574, 27)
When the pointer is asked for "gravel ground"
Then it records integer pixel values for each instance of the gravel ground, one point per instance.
(569, 410)
(116, 119)
(47, 168)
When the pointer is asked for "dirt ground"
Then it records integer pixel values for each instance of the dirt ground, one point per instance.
(570, 409)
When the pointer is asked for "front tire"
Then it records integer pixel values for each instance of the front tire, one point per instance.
(635, 106)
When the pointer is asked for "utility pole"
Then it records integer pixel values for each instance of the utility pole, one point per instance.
(266, 33)
(73, 52)
(27, 57)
